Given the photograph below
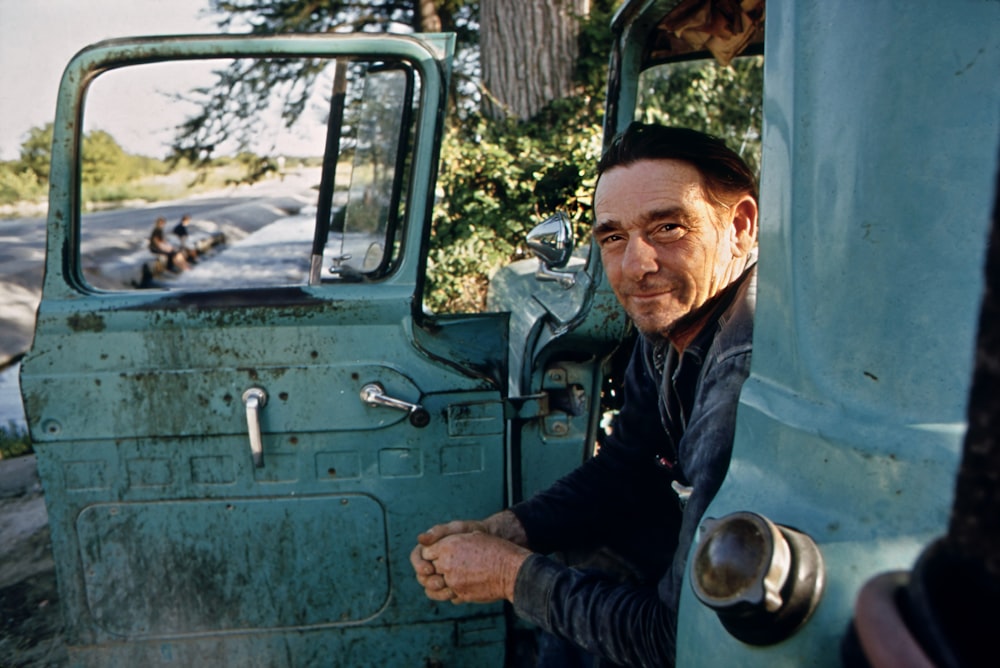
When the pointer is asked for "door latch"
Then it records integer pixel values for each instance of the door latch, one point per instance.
(374, 394)
(254, 399)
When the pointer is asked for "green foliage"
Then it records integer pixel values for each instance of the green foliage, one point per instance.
(594, 45)
(103, 160)
(723, 101)
(36, 151)
(109, 174)
(14, 441)
(19, 184)
(498, 179)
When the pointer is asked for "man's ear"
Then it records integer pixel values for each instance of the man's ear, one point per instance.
(743, 226)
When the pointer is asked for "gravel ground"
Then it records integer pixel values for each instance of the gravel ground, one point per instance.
(30, 618)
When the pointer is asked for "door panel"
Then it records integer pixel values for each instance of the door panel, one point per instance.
(167, 567)
(174, 543)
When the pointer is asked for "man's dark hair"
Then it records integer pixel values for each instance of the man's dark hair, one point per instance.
(724, 172)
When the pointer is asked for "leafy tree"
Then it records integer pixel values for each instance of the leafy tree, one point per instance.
(103, 160)
(246, 86)
(19, 184)
(498, 180)
(528, 55)
(501, 177)
(36, 151)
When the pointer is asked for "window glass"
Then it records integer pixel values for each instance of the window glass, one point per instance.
(228, 174)
(704, 95)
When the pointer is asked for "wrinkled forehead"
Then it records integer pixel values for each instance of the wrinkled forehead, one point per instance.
(648, 183)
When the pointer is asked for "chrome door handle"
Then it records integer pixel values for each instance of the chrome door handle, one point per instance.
(374, 394)
(254, 399)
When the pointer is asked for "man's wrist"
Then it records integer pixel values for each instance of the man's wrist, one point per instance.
(511, 567)
(506, 525)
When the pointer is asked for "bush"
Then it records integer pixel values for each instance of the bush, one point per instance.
(14, 441)
(499, 179)
(19, 184)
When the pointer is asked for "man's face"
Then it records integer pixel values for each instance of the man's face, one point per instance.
(667, 249)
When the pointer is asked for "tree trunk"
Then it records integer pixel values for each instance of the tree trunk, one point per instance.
(528, 50)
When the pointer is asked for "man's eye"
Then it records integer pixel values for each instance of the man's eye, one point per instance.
(611, 238)
(669, 231)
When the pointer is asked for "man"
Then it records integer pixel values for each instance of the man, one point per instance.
(676, 222)
(174, 257)
(182, 233)
(181, 230)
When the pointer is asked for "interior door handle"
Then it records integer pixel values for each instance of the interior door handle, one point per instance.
(374, 394)
(254, 399)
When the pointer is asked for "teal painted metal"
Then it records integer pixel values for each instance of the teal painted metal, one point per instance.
(880, 152)
(172, 547)
(881, 131)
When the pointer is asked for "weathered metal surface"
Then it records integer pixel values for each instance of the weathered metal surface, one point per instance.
(880, 138)
(172, 545)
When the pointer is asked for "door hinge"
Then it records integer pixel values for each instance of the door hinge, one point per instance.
(527, 407)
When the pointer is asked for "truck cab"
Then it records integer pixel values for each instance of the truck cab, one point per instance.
(237, 459)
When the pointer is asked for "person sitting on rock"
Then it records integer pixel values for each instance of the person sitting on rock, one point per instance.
(158, 244)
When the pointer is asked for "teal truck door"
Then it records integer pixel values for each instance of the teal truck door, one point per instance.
(238, 457)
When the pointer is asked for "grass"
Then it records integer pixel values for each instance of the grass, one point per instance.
(182, 182)
(14, 441)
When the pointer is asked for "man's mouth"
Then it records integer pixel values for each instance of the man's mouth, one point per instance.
(650, 293)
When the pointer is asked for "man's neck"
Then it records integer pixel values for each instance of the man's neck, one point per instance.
(687, 329)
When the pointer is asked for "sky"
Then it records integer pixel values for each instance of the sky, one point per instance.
(38, 38)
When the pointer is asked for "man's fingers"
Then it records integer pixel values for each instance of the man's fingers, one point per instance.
(443, 594)
(436, 583)
(422, 567)
(428, 554)
(439, 531)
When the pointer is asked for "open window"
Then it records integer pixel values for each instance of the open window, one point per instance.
(704, 69)
(299, 183)
(701, 66)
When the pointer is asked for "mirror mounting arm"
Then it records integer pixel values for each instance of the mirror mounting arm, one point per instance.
(566, 279)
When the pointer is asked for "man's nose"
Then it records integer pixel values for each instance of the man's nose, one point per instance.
(639, 259)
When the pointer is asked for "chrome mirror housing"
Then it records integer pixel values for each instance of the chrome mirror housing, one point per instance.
(552, 243)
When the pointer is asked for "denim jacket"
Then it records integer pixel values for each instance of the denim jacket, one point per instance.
(642, 495)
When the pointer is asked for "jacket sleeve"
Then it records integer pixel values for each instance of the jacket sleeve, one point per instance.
(627, 625)
(616, 494)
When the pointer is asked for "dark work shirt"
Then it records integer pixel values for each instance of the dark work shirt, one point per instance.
(674, 434)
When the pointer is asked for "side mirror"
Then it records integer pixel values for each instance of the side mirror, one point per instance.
(552, 243)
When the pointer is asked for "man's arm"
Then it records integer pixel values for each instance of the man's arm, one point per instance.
(628, 625)
(612, 495)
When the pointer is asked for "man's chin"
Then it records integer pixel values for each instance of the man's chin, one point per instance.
(659, 326)
(653, 328)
